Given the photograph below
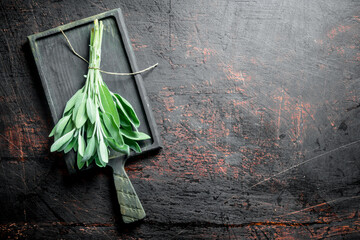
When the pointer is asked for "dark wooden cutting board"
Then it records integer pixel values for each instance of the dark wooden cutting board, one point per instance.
(62, 74)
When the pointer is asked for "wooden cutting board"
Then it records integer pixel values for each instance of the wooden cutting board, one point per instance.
(62, 74)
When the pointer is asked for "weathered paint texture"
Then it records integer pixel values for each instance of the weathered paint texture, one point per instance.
(244, 90)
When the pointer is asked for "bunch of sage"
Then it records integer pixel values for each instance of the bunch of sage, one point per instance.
(95, 119)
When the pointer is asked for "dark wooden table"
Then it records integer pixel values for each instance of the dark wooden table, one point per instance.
(258, 105)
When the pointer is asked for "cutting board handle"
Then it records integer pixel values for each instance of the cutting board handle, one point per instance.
(130, 205)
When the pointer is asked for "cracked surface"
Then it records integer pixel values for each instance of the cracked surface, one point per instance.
(244, 90)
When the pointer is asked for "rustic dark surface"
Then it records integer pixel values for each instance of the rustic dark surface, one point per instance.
(244, 90)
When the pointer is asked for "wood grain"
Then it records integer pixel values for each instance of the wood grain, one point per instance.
(244, 90)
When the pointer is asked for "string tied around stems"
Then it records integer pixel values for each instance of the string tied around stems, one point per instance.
(106, 72)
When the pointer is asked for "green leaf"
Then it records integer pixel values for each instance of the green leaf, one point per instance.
(70, 126)
(104, 129)
(78, 102)
(103, 152)
(80, 163)
(90, 160)
(90, 148)
(133, 145)
(99, 163)
(90, 130)
(119, 148)
(124, 121)
(61, 141)
(128, 128)
(112, 128)
(91, 110)
(70, 145)
(81, 116)
(71, 103)
(127, 110)
(81, 145)
(134, 135)
(76, 147)
(61, 125)
(66, 144)
(53, 131)
(108, 103)
(109, 124)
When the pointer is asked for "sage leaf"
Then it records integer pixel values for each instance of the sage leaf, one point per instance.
(103, 152)
(66, 144)
(90, 110)
(134, 135)
(90, 130)
(61, 125)
(112, 128)
(124, 121)
(90, 148)
(70, 145)
(75, 146)
(53, 130)
(110, 125)
(117, 147)
(98, 162)
(133, 145)
(79, 161)
(79, 101)
(81, 145)
(90, 161)
(127, 110)
(81, 116)
(61, 141)
(71, 103)
(104, 129)
(108, 103)
(70, 126)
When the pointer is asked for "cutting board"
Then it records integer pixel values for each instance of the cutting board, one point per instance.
(62, 74)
